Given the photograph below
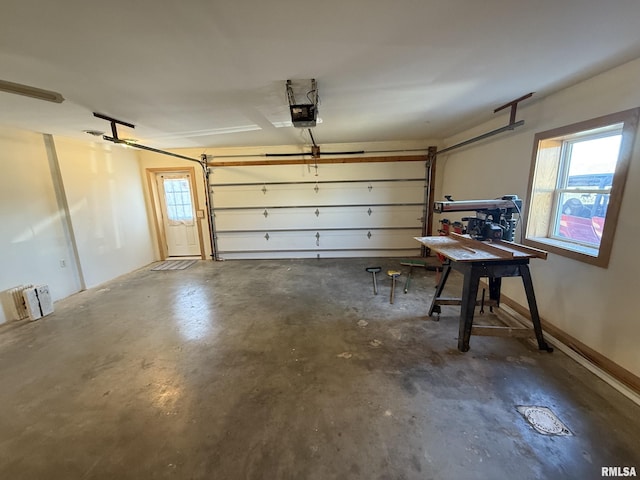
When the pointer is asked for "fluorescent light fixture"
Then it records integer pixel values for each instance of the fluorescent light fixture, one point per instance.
(32, 92)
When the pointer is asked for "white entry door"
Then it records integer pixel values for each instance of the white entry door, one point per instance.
(178, 214)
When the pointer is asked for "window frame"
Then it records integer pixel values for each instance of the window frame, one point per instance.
(594, 256)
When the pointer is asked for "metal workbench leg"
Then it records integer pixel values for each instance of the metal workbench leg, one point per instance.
(533, 307)
(443, 280)
(494, 290)
(469, 293)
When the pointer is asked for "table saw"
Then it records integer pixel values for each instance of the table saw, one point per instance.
(476, 259)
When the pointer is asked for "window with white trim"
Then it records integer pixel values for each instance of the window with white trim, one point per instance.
(576, 183)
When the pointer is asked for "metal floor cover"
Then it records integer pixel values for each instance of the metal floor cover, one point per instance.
(174, 265)
(543, 420)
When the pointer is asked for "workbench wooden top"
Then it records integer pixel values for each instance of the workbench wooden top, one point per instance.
(462, 248)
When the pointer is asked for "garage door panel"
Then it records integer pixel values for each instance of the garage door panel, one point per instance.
(285, 211)
(325, 172)
(322, 242)
(306, 195)
(327, 217)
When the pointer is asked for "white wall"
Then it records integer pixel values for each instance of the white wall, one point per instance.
(108, 214)
(594, 305)
(104, 191)
(32, 239)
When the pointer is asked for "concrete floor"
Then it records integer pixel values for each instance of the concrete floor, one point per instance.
(289, 369)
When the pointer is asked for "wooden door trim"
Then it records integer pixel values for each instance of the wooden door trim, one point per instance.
(161, 235)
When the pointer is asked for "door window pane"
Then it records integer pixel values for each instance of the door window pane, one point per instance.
(178, 197)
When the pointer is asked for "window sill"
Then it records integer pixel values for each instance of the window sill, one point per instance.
(574, 247)
(571, 250)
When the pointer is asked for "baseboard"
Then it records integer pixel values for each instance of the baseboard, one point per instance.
(618, 373)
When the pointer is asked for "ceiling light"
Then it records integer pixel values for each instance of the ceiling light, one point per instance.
(32, 92)
(95, 133)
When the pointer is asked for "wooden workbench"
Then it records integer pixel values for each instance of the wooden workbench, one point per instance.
(475, 260)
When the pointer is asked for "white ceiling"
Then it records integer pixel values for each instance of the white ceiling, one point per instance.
(208, 73)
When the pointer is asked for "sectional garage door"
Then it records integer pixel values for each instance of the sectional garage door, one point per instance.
(327, 210)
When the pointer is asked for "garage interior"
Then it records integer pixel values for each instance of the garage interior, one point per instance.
(134, 139)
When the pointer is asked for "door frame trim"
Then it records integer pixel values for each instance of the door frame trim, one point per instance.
(161, 235)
